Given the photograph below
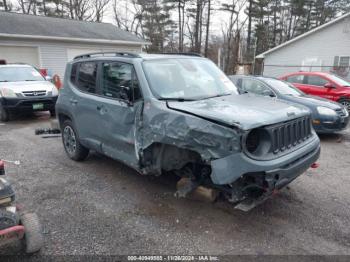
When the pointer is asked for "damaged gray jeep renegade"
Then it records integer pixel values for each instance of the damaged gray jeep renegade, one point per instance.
(180, 113)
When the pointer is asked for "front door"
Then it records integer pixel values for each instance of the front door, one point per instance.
(120, 108)
(316, 86)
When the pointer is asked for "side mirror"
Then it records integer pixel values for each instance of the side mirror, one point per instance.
(126, 94)
(48, 78)
(329, 85)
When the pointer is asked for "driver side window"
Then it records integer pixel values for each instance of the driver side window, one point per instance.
(256, 87)
(119, 81)
(316, 81)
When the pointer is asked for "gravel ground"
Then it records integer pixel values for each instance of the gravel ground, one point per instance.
(101, 206)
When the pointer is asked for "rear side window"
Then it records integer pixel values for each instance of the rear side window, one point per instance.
(299, 79)
(316, 81)
(87, 75)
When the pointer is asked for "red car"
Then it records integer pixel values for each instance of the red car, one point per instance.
(322, 84)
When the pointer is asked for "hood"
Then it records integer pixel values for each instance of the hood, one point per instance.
(245, 111)
(312, 102)
(22, 86)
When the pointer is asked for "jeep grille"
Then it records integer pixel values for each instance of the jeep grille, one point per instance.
(290, 134)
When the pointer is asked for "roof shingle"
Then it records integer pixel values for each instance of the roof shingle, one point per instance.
(22, 24)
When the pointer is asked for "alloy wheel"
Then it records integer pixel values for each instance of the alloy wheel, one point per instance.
(69, 139)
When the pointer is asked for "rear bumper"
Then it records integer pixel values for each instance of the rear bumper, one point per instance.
(26, 104)
(227, 170)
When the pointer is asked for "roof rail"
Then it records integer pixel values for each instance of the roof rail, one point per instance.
(120, 54)
(183, 53)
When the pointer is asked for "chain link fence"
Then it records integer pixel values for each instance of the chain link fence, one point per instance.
(280, 70)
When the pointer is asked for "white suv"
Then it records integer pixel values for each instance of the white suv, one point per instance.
(23, 89)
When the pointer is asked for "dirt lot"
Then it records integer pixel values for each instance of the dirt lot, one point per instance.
(102, 207)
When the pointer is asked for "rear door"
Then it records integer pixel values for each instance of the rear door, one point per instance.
(298, 81)
(119, 110)
(83, 102)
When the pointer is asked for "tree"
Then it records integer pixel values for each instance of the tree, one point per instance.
(206, 48)
(156, 23)
(99, 7)
(232, 34)
(180, 5)
(6, 5)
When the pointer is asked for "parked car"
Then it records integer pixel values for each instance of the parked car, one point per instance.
(180, 113)
(322, 84)
(23, 89)
(327, 116)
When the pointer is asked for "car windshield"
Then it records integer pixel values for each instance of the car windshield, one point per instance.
(283, 87)
(17, 74)
(339, 80)
(187, 79)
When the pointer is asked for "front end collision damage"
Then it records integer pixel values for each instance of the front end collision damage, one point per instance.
(211, 155)
(170, 139)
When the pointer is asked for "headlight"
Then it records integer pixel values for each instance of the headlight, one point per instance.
(6, 92)
(326, 111)
(54, 91)
(258, 142)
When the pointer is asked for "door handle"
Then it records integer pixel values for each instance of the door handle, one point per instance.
(73, 101)
(102, 109)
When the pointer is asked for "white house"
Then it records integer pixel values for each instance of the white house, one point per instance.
(325, 48)
(48, 43)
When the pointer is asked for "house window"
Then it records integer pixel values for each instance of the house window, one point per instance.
(341, 61)
(344, 61)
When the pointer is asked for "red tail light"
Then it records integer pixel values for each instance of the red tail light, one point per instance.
(315, 165)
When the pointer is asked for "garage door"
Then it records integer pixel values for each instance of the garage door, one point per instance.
(20, 54)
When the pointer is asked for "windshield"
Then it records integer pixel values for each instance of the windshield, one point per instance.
(283, 87)
(187, 79)
(16, 74)
(339, 80)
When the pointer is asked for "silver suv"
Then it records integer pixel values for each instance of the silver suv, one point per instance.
(179, 113)
(22, 89)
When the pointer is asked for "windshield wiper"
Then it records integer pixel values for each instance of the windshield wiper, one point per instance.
(3, 80)
(220, 95)
(178, 99)
(30, 80)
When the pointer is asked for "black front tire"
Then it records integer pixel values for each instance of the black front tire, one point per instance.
(74, 149)
(4, 114)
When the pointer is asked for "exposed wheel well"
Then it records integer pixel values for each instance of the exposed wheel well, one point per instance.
(160, 157)
(63, 117)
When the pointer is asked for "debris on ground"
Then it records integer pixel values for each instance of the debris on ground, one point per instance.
(199, 193)
(47, 131)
